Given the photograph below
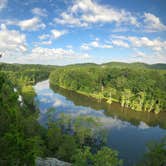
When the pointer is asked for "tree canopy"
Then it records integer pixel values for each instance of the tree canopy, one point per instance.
(141, 89)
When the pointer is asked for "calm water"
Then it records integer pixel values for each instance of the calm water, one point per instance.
(128, 132)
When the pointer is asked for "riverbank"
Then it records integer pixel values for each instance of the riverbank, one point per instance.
(100, 97)
(137, 89)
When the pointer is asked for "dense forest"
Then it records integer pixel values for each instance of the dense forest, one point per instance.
(23, 139)
(138, 86)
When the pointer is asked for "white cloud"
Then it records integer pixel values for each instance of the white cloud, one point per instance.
(39, 12)
(41, 55)
(69, 19)
(46, 39)
(154, 57)
(3, 4)
(49, 42)
(145, 49)
(106, 46)
(94, 44)
(94, 12)
(142, 41)
(44, 36)
(56, 33)
(120, 43)
(12, 41)
(155, 44)
(85, 46)
(140, 53)
(85, 12)
(153, 23)
(31, 24)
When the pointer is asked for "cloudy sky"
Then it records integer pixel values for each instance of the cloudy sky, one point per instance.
(63, 32)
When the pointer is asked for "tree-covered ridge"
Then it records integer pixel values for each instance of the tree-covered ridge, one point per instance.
(136, 65)
(23, 77)
(141, 89)
(18, 67)
(161, 66)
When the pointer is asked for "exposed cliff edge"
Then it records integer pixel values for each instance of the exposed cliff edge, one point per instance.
(50, 162)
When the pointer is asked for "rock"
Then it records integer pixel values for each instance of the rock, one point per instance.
(50, 162)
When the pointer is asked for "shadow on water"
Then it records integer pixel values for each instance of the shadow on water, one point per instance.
(114, 109)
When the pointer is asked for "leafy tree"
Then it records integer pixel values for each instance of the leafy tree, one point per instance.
(155, 155)
(82, 157)
(67, 148)
(54, 138)
(107, 157)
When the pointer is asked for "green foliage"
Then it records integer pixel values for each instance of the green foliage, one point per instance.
(67, 136)
(20, 133)
(136, 86)
(155, 155)
(82, 157)
(67, 148)
(54, 138)
(34, 147)
(28, 94)
(19, 144)
(84, 128)
(105, 156)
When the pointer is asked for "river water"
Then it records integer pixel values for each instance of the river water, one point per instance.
(128, 131)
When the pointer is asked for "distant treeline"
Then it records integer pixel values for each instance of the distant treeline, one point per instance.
(138, 86)
(23, 77)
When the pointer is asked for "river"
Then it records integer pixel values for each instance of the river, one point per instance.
(128, 131)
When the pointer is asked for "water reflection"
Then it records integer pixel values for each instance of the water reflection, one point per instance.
(56, 104)
(128, 132)
(114, 109)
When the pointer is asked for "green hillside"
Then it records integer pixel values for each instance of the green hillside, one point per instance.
(138, 86)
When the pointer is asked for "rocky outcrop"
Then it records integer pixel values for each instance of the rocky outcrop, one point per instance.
(50, 162)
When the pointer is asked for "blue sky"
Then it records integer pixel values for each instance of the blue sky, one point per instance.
(62, 32)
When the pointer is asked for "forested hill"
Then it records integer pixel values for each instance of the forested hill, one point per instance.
(136, 65)
(158, 66)
(14, 67)
(124, 65)
(138, 86)
(22, 67)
